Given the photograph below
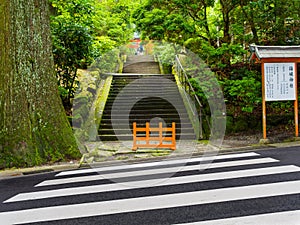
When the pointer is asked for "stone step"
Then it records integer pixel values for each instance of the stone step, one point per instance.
(139, 88)
(133, 77)
(140, 58)
(143, 121)
(129, 98)
(129, 132)
(138, 75)
(145, 116)
(142, 124)
(141, 67)
(146, 105)
(113, 137)
(143, 60)
(157, 86)
(155, 98)
(150, 111)
(145, 83)
(147, 113)
(137, 57)
(125, 124)
(164, 99)
(142, 107)
(143, 91)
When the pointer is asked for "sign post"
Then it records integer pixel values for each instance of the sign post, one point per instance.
(279, 77)
(296, 104)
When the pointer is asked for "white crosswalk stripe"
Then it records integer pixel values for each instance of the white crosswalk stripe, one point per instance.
(159, 163)
(224, 182)
(156, 171)
(153, 202)
(154, 182)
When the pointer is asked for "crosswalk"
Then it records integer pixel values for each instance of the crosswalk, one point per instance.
(242, 188)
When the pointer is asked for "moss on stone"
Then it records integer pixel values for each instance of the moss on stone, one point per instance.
(35, 129)
(89, 105)
(102, 98)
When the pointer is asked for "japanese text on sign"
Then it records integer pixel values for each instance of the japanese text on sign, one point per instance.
(279, 81)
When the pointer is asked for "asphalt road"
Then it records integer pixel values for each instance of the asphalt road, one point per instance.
(257, 187)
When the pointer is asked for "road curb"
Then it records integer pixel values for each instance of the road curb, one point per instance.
(10, 173)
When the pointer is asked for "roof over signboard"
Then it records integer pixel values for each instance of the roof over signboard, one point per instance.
(262, 52)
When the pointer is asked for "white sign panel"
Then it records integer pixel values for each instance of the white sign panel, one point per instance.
(280, 82)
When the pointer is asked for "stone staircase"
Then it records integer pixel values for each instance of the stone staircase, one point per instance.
(142, 64)
(143, 97)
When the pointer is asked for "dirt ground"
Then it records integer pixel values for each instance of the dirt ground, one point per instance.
(277, 134)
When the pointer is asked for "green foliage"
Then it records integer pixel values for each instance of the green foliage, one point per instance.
(72, 42)
(151, 23)
(219, 57)
(72, 50)
(107, 62)
(113, 25)
(203, 80)
(160, 24)
(244, 92)
(220, 31)
(166, 55)
(275, 23)
(63, 92)
(217, 31)
(84, 30)
(103, 44)
(79, 11)
(279, 108)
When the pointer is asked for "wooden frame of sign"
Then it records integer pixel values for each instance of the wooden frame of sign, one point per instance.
(279, 77)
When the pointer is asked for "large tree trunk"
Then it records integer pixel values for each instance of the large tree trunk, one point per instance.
(33, 126)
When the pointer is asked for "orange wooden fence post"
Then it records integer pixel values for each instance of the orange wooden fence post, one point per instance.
(160, 133)
(134, 137)
(147, 133)
(173, 136)
(147, 139)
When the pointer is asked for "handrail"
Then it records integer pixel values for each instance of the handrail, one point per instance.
(187, 82)
(188, 89)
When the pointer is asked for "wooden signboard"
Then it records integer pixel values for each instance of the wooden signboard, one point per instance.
(279, 77)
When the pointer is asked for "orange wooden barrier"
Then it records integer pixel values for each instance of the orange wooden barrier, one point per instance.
(154, 142)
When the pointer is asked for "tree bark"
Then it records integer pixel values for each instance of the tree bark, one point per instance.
(33, 126)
